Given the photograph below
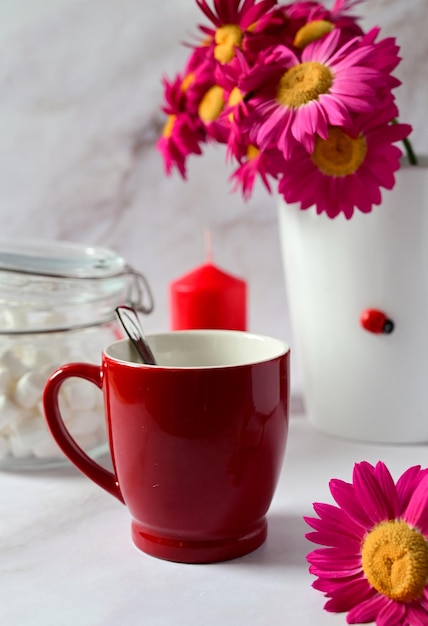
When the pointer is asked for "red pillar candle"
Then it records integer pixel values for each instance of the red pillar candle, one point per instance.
(208, 297)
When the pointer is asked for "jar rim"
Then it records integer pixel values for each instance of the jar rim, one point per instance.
(62, 259)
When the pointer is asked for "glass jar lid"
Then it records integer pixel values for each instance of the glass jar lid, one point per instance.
(60, 259)
(58, 285)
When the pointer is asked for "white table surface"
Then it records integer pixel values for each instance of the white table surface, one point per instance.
(66, 557)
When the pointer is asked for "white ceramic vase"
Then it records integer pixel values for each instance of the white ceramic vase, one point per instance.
(358, 384)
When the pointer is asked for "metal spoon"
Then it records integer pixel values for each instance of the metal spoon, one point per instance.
(128, 317)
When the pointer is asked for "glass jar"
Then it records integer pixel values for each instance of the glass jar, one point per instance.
(57, 305)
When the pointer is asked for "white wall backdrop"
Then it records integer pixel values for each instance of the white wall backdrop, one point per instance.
(80, 94)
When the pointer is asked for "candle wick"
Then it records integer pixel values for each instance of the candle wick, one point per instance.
(208, 245)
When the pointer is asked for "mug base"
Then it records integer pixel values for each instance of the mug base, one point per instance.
(209, 551)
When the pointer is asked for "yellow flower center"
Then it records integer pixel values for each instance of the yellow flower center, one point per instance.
(235, 98)
(252, 152)
(340, 154)
(395, 561)
(303, 83)
(187, 81)
(167, 129)
(211, 104)
(311, 32)
(227, 37)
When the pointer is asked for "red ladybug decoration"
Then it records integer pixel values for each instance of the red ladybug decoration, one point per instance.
(377, 322)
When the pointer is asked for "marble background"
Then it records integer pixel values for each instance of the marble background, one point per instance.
(79, 119)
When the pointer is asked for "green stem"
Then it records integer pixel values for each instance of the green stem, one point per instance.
(410, 152)
(413, 160)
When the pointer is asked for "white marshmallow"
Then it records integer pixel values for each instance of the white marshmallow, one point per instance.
(35, 356)
(47, 448)
(30, 431)
(5, 379)
(48, 370)
(18, 447)
(84, 422)
(89, 441)
(25, 366)
(29, 389)
(80, 395)
(12, 363)
(9, 412)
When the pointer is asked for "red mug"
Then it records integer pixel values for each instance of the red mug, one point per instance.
(197, 441)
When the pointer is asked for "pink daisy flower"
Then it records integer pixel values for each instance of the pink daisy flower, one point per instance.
(313, 11)
(198, 77)
(255, 164)
(385, 55)
(297, 93)
(298, 98)
(183, 131)
(346, 170)
(311, 20)
(271, 28)
(235, 108)
(375, 565)
(180, 138)
(193, 102)
(232, 20)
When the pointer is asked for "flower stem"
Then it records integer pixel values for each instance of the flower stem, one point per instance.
(413, 160)
(410, 152)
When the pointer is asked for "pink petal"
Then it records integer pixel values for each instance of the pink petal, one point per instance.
(321, 117)
(304, 121)
(424, 599)
(322, 49)
(407, 483)
(311, 113)
(372, 190)
(358, 192)
(367, 610)
(349, 595)
(346, 85)
(369, 492)
(389, 490)
(391, 614)
(285, 140)
(416, 616)
(345, 496)
(333, 539)
(355, 57)
(331, 586)
(391, 134)
(356, 104)
(278, 116)
(329, 201)
(334, 200)
(340, 53)
(380, 170)
(334, 563)
(337, 520)
(336, 111)
(307, 139)
(416, 513)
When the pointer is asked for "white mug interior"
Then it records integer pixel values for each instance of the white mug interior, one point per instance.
(203, 349)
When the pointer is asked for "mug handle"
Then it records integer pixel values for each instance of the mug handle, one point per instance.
(94, 374)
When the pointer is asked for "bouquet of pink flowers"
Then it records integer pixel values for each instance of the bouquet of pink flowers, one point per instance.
(300, 96)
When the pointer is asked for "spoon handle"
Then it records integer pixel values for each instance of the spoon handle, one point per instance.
(129, 319)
